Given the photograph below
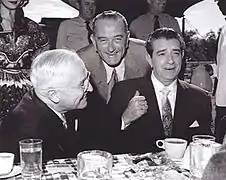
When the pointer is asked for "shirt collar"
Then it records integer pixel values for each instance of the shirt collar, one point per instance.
(120, 69)
(158, 86)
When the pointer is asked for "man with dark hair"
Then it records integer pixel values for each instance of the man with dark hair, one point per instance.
(75, 33)
(175, 108)
(113, 57)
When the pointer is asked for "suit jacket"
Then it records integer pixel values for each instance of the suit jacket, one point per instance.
(34, 119)
(136, 65)
(192, 104)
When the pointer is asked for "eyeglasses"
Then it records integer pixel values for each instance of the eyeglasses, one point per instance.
(85, 83)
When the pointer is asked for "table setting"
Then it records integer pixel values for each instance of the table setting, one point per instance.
(178, 160)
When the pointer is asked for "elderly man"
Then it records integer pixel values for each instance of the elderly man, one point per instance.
(153, 19)
(160, 105)
(113, 57)
(75, 33)
(61, 83)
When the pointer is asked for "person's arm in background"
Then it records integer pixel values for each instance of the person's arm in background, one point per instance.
(221, 68)
(221, 84)
(61, 36)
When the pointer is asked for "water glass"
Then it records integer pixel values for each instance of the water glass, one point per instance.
(94, 165)
(201, 149)
(31, 158)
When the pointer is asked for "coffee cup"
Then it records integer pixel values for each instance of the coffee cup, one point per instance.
(6, 163)
(174, 147)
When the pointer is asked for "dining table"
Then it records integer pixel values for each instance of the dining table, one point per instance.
(148, 166)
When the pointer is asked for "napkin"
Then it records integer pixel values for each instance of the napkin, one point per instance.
(59, 168)
(173, 175)
(185, 163)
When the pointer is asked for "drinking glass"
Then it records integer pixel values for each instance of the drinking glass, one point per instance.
(94, 165)
(31, 158)
(202, 148)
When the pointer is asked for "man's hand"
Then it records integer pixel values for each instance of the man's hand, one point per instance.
(136, 108)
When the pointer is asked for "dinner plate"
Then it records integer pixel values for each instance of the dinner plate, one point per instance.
(16, 170)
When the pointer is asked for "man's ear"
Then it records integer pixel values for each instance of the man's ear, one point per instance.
(148, 58)
(128, 36)
(53, 96)
(76, 4)
(182, 54)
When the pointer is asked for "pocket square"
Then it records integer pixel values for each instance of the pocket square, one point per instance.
(194, 124)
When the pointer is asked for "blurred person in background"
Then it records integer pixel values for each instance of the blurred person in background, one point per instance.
(155, 18)
(221, 84)
(201, 77)
(21, 39)
(60, 84)
(75, 33)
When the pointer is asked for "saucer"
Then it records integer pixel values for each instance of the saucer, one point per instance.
(16, 170)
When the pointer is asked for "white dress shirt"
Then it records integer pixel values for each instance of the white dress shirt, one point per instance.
(158, 86)
(120, 70)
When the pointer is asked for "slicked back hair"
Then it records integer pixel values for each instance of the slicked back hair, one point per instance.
(163, 33)
(110, 14)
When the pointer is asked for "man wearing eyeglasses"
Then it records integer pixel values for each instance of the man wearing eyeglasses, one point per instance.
(60, 84)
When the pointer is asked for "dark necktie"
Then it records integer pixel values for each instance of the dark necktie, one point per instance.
(89, 30)
(111, 83)
(156, 22)
(167, 118)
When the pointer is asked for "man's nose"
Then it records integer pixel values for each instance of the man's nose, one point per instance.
(111, 46)
(89, 87)
(170, 58)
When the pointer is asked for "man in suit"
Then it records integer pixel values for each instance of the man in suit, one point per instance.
(113, 54)
(147, 111)
(60, 84)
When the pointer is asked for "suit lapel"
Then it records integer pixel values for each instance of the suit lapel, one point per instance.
(153, 110)
(180, 111)
(131, 67)
(99, 76)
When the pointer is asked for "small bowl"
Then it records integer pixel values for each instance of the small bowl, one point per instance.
(6, 163)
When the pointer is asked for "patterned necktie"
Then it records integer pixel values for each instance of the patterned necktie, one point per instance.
(89, 30)
(64, 121)
(167, 118)
(111, 83)
(156, 22)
